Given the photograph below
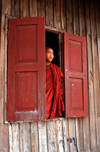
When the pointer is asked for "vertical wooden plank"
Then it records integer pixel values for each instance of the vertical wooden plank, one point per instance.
(21, 137)
(59, 132)
(69, 19)
(95, 55)
(15, 8)
(10, 139)
(81, 18)
(57, 14)
(5, 138)
(66, 135)
(63, 15)
(97, 12)
(42, 136)
(95, 62)
(72, 135)
(98, 118)
(79, 134)
(24, 8)
(75, 17)
(86, 135)
(58, 9)
(98, 132)
(49, 12)
(34, 137)
(41, 7)
(7, 7)
(90, 80)
(33, 8)
(25, 137)
(15, 137)
(3, 128)
(51, 136)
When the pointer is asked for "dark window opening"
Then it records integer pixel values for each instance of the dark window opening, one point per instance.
(52, 41)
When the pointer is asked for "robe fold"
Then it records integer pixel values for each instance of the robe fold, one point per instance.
(54, 91)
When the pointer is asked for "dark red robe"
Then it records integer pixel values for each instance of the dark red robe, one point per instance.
(54, 91)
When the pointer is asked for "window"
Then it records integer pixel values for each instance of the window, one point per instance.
(52, 40)
(26, 70)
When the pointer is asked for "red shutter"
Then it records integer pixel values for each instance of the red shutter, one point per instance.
(76, 96)
(26, 69)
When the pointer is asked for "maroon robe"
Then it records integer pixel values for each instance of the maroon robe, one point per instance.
(54, 91)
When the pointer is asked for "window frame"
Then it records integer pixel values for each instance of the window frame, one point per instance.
(61, 49)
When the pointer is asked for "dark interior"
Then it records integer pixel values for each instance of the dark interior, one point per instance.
(52, 41)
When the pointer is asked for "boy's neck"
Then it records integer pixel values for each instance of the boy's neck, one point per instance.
(48, 63)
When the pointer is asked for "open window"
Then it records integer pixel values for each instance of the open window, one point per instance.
(26, 70)
(52, 41)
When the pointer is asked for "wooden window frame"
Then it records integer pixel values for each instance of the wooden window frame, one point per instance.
(61, 51)
(60, 33)
(49, 29)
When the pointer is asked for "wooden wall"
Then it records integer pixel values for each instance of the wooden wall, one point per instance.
(80, 17)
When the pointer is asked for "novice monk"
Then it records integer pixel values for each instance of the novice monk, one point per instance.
(54, 91)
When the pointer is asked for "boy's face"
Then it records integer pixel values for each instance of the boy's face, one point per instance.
(49, 55)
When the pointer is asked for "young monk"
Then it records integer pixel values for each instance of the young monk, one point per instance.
(54, 91)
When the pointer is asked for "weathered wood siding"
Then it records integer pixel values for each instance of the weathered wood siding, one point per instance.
(80, 17)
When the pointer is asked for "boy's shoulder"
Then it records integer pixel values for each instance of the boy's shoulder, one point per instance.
(55, 67)
(57, 70)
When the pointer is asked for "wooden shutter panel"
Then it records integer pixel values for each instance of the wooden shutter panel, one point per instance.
(76, 90)
(26, 69)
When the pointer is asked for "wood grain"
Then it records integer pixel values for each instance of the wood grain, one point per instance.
(90, 80)
(10, 138)
(26, 137)
(95, 61)
(51, 136)
(49, 13)
(33, 8)
(34, 137)
(15, 137)
(15, 8)
(79, 134)
(75, 17)
(41, 7)
(8, 7)
(66, 135)
(42, 136)
(59, 133)
(97, 12)
(4, 132)
(69, 20)
(63, 15)
(72, 134)
(58, 14)
(24, 8)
